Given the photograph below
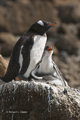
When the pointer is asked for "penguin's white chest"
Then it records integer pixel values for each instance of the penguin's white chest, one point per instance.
(36, 53)
(46, 67)
(38, 48)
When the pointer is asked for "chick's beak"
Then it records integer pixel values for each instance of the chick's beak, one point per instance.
(49, 49)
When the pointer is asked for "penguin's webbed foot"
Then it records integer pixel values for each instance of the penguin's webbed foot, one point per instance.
(20, 77)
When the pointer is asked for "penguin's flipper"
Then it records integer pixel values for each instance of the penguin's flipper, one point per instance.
(33, 73)
(26, 55)
(58, 73)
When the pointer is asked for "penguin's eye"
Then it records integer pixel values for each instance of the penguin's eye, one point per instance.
(40, 23)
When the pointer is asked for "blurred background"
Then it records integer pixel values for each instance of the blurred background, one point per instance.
(16, 16)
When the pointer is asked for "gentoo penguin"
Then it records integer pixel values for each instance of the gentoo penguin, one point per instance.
(28, 51)
(47, 69)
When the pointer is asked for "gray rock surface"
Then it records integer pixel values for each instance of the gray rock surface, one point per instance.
(38, 101)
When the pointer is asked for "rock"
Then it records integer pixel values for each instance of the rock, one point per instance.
(3, 66)
(78, 28)
(76, 13)
(62, 2)
(39, 101)
(68, 29)
(7, 42)
(68, 43)
(69, 13)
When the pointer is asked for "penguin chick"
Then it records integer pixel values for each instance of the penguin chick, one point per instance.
(47, 68)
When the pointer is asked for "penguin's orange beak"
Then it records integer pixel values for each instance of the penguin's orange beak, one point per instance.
(50, 49)
(52, 24)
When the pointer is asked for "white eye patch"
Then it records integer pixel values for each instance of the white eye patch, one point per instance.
(40, 22)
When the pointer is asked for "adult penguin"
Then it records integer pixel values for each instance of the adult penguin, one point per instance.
(28, 51)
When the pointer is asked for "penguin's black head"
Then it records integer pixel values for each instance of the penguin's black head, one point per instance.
(41, 27)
